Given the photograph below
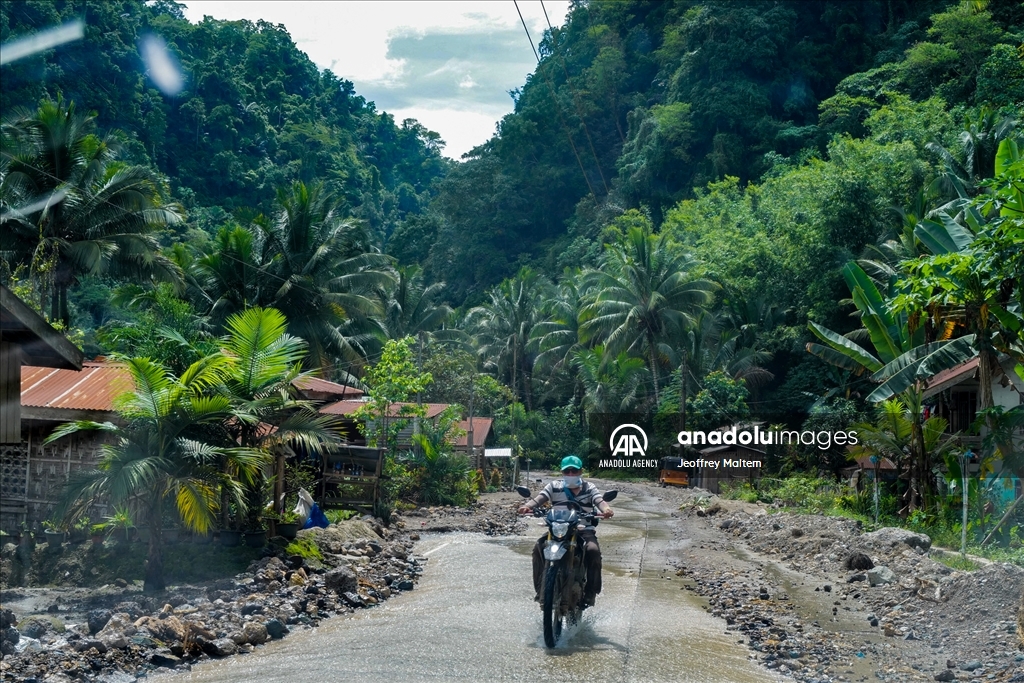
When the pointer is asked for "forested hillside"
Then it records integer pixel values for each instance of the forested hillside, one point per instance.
(681, 205)
(254, 115)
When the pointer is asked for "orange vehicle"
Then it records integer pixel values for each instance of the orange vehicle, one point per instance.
(672, 472)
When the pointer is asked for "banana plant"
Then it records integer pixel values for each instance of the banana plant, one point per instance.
(902, 362)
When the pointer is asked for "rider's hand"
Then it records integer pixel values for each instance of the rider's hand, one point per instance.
(608, 514)
(525, 509)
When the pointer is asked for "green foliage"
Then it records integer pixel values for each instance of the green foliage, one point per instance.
(393, 379)
(720, 402)
(306, 548)
(335, 516)
(444, 477)
(832, 416)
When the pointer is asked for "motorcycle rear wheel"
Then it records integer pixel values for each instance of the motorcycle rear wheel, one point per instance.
(552, 605)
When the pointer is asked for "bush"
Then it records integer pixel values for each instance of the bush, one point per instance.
(335, 516)
(742, 491)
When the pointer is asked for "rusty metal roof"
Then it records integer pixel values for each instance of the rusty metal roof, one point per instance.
(349, 407)
(323, 386)
(481, 430)
(94, 387)
(98, 383)
(952, 376)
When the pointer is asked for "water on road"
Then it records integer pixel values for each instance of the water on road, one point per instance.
(472, 618)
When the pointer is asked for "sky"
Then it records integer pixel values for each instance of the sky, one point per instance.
(449, 65)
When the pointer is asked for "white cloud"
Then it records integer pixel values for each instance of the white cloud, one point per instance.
(391, 52)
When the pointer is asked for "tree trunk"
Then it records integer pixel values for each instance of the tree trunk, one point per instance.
(987, 362)
(682, 393)
(154, 580)
(654, 368)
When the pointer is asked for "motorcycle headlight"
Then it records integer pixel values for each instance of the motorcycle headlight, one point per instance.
(559, 529)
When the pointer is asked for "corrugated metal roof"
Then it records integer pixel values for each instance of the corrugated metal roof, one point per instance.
(951, 377)
(93, 388)
(98, 383)
(323, 386)
(349, 407)
(481, 430)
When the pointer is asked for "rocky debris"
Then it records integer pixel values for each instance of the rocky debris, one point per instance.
(494, 515)
(910, 612)
(341, 580)
(363, 564)
(888, 537)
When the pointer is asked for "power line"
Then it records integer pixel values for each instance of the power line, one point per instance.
(576, 102)
(554, 100)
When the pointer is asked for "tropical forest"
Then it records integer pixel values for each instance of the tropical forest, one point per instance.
(796, 214)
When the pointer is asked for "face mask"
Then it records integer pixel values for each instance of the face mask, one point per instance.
(573, 482)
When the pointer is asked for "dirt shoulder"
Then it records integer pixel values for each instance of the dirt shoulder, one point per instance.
(798, 590)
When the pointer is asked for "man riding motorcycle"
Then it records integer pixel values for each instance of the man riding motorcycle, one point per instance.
(571, 488)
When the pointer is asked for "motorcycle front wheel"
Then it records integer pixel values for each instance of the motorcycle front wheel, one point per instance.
(552, 605)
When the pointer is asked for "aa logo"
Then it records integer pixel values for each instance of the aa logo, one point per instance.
(628, 440)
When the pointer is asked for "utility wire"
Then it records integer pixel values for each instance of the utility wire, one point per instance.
(554, 99)
(576, 101)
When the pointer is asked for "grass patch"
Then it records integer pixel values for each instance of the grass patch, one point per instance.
(306, 548)
(954, 561)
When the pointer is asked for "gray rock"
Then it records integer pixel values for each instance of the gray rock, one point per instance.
(888, 537)
(404, 585)
(341, 580)
(164, 658)
(251, 608)
(7, 618)
(880, 575)
(34, 628)
(131, 608)
(275, 629)
(222, 647)
(86, 644)
(971, 665)
(946, 675)
(255, 633)
(858, 561)
(98, 618)
(353, 599)
(9, 634)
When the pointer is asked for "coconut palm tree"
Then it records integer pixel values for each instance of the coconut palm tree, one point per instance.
(162, 455)
(645, 299)
(412, 307)
(324, 271)
(87, 213)
(556, 338)
(610, 385)
(503, 326)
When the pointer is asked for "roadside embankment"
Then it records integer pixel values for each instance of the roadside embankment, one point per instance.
(116, 632)
(818, 599)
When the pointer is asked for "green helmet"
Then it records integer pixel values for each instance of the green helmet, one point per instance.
(571, 461)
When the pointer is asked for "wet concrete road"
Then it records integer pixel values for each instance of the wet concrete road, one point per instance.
(471, 618)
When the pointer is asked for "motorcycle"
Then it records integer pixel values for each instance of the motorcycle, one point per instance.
(565, 577)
